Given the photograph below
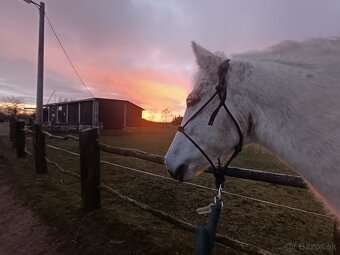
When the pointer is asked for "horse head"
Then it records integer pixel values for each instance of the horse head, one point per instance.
(184, 160)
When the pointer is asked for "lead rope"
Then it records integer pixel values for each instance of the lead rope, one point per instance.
(205, 237)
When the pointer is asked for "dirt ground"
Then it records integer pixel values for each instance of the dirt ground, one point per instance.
(121, 228)
(33, 222)
(21, 231)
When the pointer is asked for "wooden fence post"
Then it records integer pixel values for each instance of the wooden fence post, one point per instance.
(12, 132)
(336, 237)
(39, 149)
(90, 168)
(20, 139)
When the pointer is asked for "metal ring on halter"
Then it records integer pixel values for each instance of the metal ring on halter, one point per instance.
(219, 193)
(219, 196)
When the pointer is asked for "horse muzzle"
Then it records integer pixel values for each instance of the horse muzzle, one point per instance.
(179, 172)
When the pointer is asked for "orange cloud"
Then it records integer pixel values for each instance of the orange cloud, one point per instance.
(151, 88)
(160, 94)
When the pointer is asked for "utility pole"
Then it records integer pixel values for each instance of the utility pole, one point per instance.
(39, 146)
(40, 77)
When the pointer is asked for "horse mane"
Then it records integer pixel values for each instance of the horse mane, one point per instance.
(298, 110)
(311, 54)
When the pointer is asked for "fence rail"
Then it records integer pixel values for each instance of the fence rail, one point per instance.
(133, 153)
(221, 239)
(264, 176)
(90, 148)
(194, 184)
(243, 173)
(66, 137)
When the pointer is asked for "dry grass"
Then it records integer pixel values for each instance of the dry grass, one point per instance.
(125, 229)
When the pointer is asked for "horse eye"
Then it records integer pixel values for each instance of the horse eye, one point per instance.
(192, 101)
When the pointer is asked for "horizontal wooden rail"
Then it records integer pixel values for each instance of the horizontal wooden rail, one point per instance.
(60, 149)
(28, 153)
(223, 240)
(263, 176)
(133, 153)
(198, 186)
(27, 131)
(49, 135)
(243, 173)
(226, 241)
(62, 169)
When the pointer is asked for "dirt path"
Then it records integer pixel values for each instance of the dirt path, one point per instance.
(21, 232)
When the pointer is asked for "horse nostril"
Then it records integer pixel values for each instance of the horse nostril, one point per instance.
(172, 175)
(180, 172)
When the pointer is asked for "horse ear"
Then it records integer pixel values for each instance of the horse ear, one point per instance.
(204, 58)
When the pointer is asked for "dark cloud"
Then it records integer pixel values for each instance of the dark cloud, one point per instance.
(121, 35)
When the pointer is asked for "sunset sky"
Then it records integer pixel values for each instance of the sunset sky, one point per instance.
(139, 50)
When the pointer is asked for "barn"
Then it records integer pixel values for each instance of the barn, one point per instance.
(109, 114)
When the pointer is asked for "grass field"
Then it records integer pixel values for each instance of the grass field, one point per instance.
(120, 228)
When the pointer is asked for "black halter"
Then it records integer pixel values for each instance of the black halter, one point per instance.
(221, 91)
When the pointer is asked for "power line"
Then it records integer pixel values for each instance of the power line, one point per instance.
(50, 97)
(68, 58)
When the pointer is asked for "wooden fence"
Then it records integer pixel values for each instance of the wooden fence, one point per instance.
(91, 185)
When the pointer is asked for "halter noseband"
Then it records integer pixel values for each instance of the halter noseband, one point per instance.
(221, 91)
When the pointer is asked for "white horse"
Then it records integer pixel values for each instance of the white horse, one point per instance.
(286, 98)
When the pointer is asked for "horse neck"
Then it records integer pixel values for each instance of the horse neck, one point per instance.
(278, 101)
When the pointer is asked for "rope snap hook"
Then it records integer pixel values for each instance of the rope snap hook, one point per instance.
(218, 197)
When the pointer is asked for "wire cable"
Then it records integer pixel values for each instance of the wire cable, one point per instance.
(67, 56)
(50, 97)
(200, 186)
(213, 189)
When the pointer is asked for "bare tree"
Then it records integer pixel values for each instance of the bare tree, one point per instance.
(166, 115)
(64, 99)
(11, 105)
(177, 120)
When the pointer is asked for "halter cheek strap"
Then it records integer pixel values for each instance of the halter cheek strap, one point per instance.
(221, 91)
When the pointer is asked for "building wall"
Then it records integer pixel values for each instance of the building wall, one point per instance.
(73, 113)
(61, 115)
(105, 112)
(52, 113)
(111, 114)
(86, 110)
(134, 116)
(45, 114)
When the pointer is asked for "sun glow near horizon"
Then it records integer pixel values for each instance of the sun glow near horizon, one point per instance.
(160, 96)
